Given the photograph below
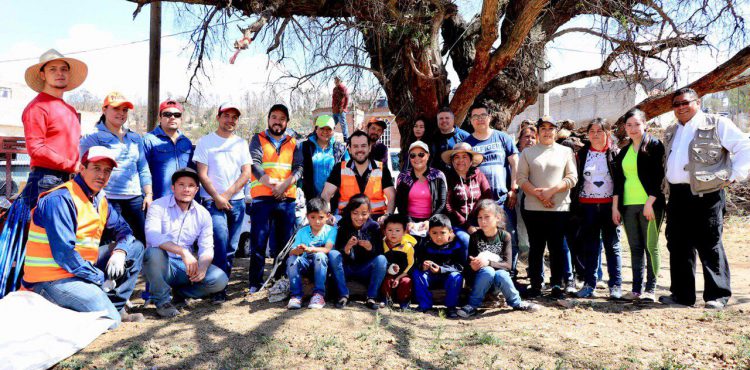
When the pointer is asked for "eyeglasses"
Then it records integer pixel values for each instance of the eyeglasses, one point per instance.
(678, 104)
(414, 155)
(171, 114)
(480, 116)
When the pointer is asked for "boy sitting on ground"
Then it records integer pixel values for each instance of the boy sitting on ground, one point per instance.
(440, 260)
(399, 251)
(490, 260)
(310, 255)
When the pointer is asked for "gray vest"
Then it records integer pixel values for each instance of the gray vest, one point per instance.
(709, 163)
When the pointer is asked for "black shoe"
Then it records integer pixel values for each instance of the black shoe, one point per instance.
(219, 298)
(533, 292)
(557, 292)
(372, 304)
(670, 300)
(342, 302)
(452, 313)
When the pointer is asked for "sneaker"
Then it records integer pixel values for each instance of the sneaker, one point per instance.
(570, 287)
(557, 292)
(615, 292)
(528, 307)
(342, 302)
(600, 284)
(715, 304)
(452, 313)
(372, 304)
(219, 298)
(295, 303)
(648, 297)
(167, 310)
(631, 296)
(253, 290)
(131, 317)
(317, 301)
(467, 311)
(586, 292)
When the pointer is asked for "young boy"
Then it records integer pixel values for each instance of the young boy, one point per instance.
(490, 260)
(310, 254)
(440, 260)
(399, 251)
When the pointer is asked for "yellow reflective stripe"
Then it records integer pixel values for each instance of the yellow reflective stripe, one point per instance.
(38, 237)
(40, 262)
(377, 205)
(283, 166)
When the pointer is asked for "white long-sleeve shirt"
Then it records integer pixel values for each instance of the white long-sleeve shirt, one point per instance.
(166, 222)
(731, 138)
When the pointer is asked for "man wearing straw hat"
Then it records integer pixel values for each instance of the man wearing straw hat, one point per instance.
(51, 126)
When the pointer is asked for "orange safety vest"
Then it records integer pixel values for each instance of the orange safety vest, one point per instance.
(373, 190)
(277, 165)
(40, 265)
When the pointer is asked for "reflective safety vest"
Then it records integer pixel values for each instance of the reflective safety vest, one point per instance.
(277, 165)
(40, 265)
(373, 190)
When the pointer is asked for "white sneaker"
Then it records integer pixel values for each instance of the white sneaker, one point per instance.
(317, 301)
(648, 296)
(715, 305)
(631, 296)
(615, 292)
(295, 303)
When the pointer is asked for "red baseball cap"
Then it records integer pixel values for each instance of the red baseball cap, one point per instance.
(99, 153)
(170, 103)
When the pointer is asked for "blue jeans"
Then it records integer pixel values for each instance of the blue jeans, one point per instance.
(132, 211)
(372, 272)
(424, 280)
(298, 266)
(39, 181)
(462, 236)
(510, 226)
(597, 229)
(262, 213)
(340, 118)
(227, 228)
(164, 274)
(84, 296)
(486, 278)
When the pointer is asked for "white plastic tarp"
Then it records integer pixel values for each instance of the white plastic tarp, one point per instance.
(36, 334)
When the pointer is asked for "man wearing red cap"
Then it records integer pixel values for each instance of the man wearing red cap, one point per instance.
(64, 262)
(167, 149)
(51, 126)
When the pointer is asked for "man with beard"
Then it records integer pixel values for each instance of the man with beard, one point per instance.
(449, 136)
(378, 150)
(362, 175)
(277, 165)
(224, 168)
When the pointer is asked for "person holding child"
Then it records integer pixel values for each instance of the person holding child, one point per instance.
(489, 264)
(441, 260)
(359, 251)
(398, 247)
(312, 244)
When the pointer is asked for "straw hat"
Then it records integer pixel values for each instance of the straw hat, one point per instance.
(78, 71)
(476, 158)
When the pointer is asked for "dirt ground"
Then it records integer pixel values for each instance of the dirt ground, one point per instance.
(596, 333)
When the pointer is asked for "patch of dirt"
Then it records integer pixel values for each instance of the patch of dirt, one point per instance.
(595, 333)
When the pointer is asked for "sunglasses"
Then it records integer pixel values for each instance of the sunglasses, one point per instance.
(171, 114)
(678, 104)
(414, 155)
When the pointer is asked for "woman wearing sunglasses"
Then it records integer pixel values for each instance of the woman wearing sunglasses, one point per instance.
(421, 191)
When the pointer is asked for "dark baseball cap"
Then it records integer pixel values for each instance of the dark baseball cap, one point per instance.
(185, 171)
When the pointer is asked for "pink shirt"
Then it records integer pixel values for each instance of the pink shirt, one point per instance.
(53, 133)
(420, 201)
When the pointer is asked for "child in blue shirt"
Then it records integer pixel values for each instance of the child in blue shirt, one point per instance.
(440, 260)
(310, 254)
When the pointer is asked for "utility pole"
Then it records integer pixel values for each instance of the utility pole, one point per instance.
(154, 65)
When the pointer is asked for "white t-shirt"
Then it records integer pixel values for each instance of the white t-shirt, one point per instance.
(224, 158)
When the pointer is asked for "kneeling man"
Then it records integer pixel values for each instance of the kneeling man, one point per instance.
(64, 262)
(175, 223)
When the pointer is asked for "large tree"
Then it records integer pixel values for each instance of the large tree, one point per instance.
(497, 54)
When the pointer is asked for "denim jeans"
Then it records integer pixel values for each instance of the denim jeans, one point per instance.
(372, 272)
(84, 296)
(546, 230)
(340, 118)
(132, 211)
(304, 264)
(510, 226)
(262, 213)
(39, 181)
(424, 280)
(227, 225)
(597, 230)
(164, 274)
(499, 280)
(462, 236)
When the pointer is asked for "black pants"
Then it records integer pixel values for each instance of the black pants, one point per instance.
(694, 226)
(546, 229)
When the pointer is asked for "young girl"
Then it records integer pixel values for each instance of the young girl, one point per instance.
(490, 261)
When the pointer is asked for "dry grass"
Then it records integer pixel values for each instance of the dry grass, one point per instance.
(593, 334)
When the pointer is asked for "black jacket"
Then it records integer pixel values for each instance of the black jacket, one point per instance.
(308, 149)
(650, 170)
(438, 190)
(612, 152)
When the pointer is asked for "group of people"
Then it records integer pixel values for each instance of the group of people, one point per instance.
(112, 203)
